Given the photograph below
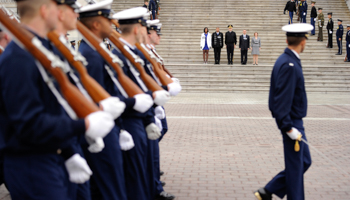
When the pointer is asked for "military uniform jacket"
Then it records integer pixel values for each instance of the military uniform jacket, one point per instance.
(313, 12)
(330, 25)
(244, 43)
(320, 19)
(347, 37)
(340, 31)
(217, 40)
(303, 7)
(32, 120)
(230, 38)
(290, 6)
(287, 97)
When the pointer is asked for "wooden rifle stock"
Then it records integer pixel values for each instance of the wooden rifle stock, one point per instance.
(129, 86)
(147, 79)
(1, 50)
(74, 97)
(95, 90)
(165, 69)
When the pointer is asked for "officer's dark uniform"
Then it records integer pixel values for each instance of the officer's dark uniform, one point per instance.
(291, 7)
(244, 44)
(230, 41)
(339, 34)
(347, 38)
(313, 16)
(217, 43)
(303, 11)
(330, 26)
(152, 6)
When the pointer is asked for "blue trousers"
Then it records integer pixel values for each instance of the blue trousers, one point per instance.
(303, 17)
(135, 161)
(107, 181)
(37, 177)
(340, 46)
(348, 50)
(290, 18)
(313, 24)
(154, 14)
(290, 181)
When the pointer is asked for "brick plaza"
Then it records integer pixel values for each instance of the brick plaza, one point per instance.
(224, 146)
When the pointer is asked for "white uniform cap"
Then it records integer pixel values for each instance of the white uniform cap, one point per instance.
(298, 29)
(102, 8)
(131, 16)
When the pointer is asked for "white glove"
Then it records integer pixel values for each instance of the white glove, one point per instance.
(153, 131)
(160, 113)
(161, 98)
(143, 102)
(174, 88)
(150, 12)
(320, 26)
(349, 45)
(176, 80)
(101, 123)
(114, 106)
(315, 19)
(304, 13)
(78, 170)
(330, 32)
(295, 134)
(125, 140)
(158, 123)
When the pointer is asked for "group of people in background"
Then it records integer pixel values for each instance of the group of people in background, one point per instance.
(301, 9)
(216, 41)
(153, 7)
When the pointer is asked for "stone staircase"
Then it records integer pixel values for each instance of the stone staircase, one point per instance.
(183, 22)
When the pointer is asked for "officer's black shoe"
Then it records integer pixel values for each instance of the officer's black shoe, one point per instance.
(263, 194)
(163, 183)
(347, 61)
(165, 196)
(337, 54)
(161, 173)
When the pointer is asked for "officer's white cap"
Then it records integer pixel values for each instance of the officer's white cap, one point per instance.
(131, 16)
(152, 22)
(298, 29)
(102, 8)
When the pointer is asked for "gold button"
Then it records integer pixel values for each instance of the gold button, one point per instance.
(99, 12)
(59, 151)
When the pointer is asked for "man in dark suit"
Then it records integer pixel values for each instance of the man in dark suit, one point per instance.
(217, 42)
(230, 42)
(313, 16)
(339, 34)
(330, 25)
(244, 44)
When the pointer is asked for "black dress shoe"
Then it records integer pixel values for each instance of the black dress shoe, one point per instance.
(165, 196)
(163, 183)
(161, 173)
(347, 61)
(262, 194)
(337, 54)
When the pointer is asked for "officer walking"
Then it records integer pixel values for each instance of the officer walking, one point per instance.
(217, 41)
(320, 19)
(303, 11)
(313, 16)
(339, 36)
(230, 41)
(330, 26)
(291, 7)
(347, 38)
(288, 105)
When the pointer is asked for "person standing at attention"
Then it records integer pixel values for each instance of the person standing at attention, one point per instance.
(291, 7)
(313, 16)
(244, 46)
(230, 42)
(330, 26)
(205, 44)
(217, 40)
(256, 47)
(320, 25)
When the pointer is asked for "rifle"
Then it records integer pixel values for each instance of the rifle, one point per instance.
(129, 86)
(1, 49)
(52, 64)
(95, 90)
(160, 58)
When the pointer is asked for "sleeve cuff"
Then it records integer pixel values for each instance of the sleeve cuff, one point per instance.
(79, 127)
(129, 103)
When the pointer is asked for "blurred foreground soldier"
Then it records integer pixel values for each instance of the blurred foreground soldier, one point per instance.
(347, 38)
(230, 41)
(320, 20)
(244, 44)
(36, 126)
(303, 11)
(330, 26)
(313, 16)
(291, 7)
(72, 43)
(339, 34)
(217, 42)
(288, 105)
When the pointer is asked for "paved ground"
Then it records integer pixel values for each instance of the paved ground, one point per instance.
(224, 146)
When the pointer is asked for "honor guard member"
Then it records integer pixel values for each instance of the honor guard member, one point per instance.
(303, 11)
(137, 171)
(320, 20)
(330, 26)
(313, 16)
(108, 181)
(244, 44)
(288, 105)
(230, 41)
(217, 41)
(72, 43)
(33, 116)
(347, 38)
(291, 7)
(339, 34)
